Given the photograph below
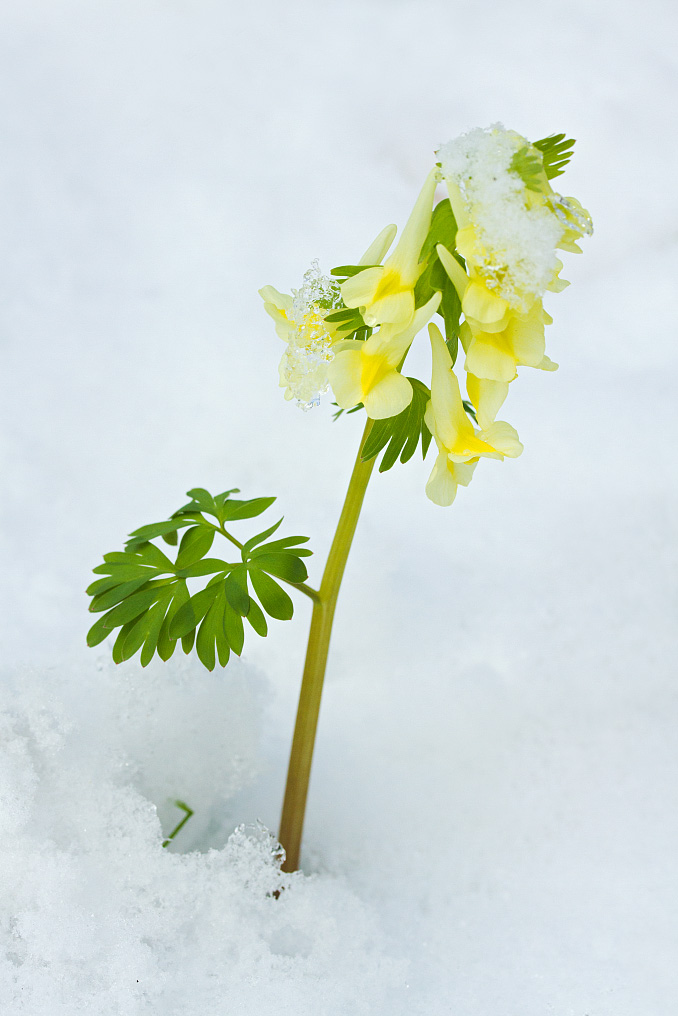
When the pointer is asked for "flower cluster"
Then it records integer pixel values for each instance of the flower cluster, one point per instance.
(482, 259)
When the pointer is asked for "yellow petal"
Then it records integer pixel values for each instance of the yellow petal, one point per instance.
(393, 341)
(465, 335)
(269, 294)
(546, 364)
(442, 485)
(377, 250)
(458, 203)
(458, 276)
(487, 397)
(405, 257)
(463, 471)
(451, 421)
(484, 308)
(359, 290)
(525, 335)
(388, 397)
(390, 307)
(491, 356)
(504, 438)
(344, 374)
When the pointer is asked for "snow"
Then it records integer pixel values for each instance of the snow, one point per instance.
(492, 819)
(516, 245)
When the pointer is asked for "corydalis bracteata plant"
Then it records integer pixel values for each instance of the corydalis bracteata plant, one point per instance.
(481, 259)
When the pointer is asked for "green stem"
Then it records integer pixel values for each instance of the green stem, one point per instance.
(299, 772)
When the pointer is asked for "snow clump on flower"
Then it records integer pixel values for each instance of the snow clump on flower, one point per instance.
(516, 232)
(303, 368)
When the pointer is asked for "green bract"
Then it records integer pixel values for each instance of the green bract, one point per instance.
(146, 595)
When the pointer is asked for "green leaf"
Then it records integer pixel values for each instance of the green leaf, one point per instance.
(256, 618)
(122, 557)
(166, 645)
(468, 408)
(283, 547)
(284, 565)
(205, 643)
(144, 593)
(152, 555)
(235, 588)
(207, 566)
(402, 430)
(195, 543)
(345, 314)
(155, 529)
(223, 648)
(233, 628)
(130, 608)
(101, 585)
(191, 613)
(528, 165)
(142, 628)
(401, 433)
(434, 278)
(556, 152)
(203, 499)
(348, 271)
(120, 641)
(274, 600)
(108, 599)
(219, 499)
(151, 643)
(443, 229)
(97, 633)
(125, 572)
(260, 536)
(234, 510)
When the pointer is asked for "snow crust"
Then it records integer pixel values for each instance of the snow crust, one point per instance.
(98, 917)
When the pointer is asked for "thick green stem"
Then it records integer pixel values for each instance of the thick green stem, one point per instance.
(299, 772)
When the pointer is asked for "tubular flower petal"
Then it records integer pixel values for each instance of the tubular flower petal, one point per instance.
(279, 306)
(385, 294)
(378, 249)
(459, 443)
(487, 398)
(367, 371)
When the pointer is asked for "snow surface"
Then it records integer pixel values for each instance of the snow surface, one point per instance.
(493, 820)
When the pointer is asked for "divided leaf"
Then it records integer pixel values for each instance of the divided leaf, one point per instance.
(144, 594)
(556, 152)
(434, 278)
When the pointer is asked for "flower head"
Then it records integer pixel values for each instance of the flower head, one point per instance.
(511, 224)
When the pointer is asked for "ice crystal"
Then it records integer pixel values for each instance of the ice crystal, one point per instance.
(303, 368)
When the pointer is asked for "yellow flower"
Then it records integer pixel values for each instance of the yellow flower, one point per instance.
(459, 444)
(385, 293)
(367, 371)
(279, 306)
(300, 322)
(496, 338)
